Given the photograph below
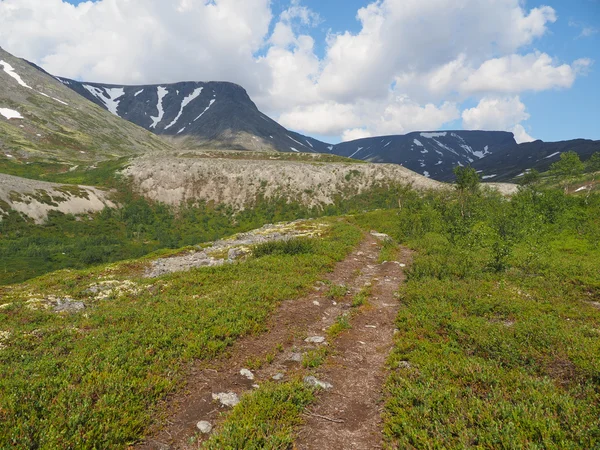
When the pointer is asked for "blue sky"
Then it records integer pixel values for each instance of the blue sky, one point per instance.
(318, 69)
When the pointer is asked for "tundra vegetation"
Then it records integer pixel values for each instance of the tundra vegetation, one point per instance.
(498, 341)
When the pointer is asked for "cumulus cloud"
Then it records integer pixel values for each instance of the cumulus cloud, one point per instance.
(409, 67)
(498, 114)
(355, 133)
(140, 41)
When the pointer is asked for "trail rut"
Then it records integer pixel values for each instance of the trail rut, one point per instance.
(355, 367)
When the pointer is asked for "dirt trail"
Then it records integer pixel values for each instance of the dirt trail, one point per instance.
(355, 372)
(349, 415)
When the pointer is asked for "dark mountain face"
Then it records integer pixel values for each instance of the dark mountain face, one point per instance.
(432, 154)
(222, 115)
(512, 162)
(216, 114)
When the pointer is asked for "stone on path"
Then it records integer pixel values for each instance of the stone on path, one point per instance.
(227, 398)
(247, 374)
(312, 381)
(204, 427)
(315, 339)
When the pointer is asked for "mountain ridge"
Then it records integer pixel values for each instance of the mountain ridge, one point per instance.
(221, 115)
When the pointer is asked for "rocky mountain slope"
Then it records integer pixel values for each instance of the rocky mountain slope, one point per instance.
(238, 181)
(42, 119)
(35, 199)
(216, 115)
(221, 115)
(512, 162)
(432, 154)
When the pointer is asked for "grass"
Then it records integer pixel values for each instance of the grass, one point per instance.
(341, 324)
(264, 419)
(140, 227)
(314, 358)
(337, 291)
(362, 297)
(389, 251)
(503, 347)
(294, 246)
(91, 380)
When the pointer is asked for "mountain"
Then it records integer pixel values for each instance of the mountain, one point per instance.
(432, 154)
(218, 115)
(512, 162)
(41, 119)
(221, 115)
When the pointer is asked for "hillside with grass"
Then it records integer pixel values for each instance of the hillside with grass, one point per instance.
(484, 308)
(42, 121)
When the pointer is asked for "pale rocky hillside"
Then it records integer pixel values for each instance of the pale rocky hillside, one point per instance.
(239, 182)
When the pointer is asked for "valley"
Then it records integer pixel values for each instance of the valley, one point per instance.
(180, 271)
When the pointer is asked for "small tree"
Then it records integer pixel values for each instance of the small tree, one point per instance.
(568, 167)
(593, 164)
(467, 183)
(530, 178)
(467, 179)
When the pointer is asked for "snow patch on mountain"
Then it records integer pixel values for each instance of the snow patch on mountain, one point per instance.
(445, 147)
(186, 101)
(434, 135)
(206, 109)
(552, 155)
(359, 149)
(297, 142)
(162, 92)
(10, 113)
(417, 142)
(138, 92)
(108, 96)
(11, 72)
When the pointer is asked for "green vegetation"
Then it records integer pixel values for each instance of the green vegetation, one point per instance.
(568, 167)
(314, 358)
(362, 297)
(295, 246)
(498, 324)
(388, 252)
(91, 379)
(265, 419)
(140, 227)
(337, 291)
(270, 155)
(341, 324)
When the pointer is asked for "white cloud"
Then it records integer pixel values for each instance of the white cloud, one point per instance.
(140, 41)
(355, 133)
(516, 73)
(409, 67)
(504, 114)
(586, 30)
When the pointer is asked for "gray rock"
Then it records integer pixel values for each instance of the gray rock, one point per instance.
(227, 398)
(278, 377)
(68, 305)
(204, 427)
(235, 253)
(312, 381)
(247, 374)
(404, 365)
(315, 339)
(296, 357)
(381, 236)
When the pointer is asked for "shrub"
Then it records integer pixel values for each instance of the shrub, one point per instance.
(294, 246)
